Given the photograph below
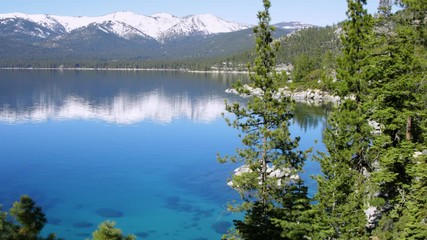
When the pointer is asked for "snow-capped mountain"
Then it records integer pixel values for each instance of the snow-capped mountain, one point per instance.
(125, 35)
(294, 25)
(202, 25)
(126, 24)
(17, 26)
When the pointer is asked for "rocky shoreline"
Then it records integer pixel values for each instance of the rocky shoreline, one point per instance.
(315, 96)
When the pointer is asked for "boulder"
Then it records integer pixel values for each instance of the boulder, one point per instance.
(279, 173)
(376, 127)
(417, 154)
(231, 90)
(271, 171)
(295, 177)
(242, 169)
(372, 214)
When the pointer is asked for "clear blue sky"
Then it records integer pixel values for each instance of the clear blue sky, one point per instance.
(318, 12)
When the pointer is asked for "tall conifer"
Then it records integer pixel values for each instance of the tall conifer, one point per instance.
(272, 192)
(345, 185)
(395, 83)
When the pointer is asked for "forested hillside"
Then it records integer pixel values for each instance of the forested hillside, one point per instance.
(309, 55)
(102, 49)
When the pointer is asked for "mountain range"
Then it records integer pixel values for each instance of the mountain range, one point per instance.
(125, 35)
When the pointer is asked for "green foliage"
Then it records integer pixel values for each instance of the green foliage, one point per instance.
(345, 188)
(29, 219)
(312, 52)
(397, 69)
(416, 211)
(295, 218)
(27, 223)
(264, 123)
(303, 65)
(313, 42)
(355, 41)
(307, 50)
(383, 67)
(107, 231)
(381, 76)
(7, 229)
(258, 223)
(29, 216)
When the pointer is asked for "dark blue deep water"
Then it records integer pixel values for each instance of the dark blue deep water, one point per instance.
(138, 148)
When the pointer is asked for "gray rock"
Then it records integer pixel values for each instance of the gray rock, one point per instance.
(372, 215)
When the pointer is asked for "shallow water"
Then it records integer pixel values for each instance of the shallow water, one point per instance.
(138, 148)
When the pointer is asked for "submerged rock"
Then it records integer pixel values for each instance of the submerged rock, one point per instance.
(142, 234)
(221, 227)
(53, 221)
(109, 213)
(82, 224)
(83, 234)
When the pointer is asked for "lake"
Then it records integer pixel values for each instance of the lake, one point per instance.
(138, 148)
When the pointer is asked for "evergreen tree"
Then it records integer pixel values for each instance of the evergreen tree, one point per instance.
(395, 101)
(415, 214)
(30, 217)
(107, 231)
(27, 223)
(7, 229)
(271, 184)
(344, 188)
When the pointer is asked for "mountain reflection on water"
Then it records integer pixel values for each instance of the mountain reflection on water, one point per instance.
(113, 96)
(163, 179)
(124, 97)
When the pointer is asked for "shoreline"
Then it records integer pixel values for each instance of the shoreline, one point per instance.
(309, 95)
(313, 96)
(130, 69)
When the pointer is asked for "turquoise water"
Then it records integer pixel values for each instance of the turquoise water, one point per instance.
(138, 148)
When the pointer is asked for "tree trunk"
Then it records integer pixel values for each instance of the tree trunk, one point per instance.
(264, 172)
(409, 129)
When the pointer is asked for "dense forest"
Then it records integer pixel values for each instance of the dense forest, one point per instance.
(373, 183)
(309, 52)
(314, 41)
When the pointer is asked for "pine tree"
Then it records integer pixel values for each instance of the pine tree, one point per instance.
(29, 216)
(344, 188)
(107, 231)
(394, 101)
(415, 212)
(7, 229)
(270, 185)
(25, 222)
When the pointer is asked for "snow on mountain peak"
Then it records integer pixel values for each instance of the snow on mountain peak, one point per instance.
(121, 29)
(124, 23)
(203, 24)
(293, 25)
(163, 15)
